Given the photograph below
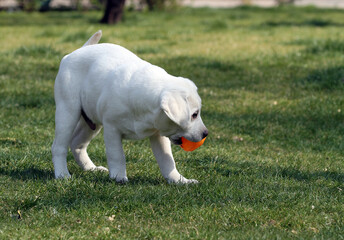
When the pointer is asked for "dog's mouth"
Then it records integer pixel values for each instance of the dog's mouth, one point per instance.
(177, 141)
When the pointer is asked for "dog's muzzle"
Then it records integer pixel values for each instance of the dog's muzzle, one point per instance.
(177, 141)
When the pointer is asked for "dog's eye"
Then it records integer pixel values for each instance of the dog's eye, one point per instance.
(194, 116)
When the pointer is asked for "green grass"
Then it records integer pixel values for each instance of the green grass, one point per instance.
(272, 84)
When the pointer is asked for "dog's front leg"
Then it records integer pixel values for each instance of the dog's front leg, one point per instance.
(115, 154)
(161, 147)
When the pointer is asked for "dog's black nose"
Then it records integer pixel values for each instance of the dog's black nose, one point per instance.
(205, 133)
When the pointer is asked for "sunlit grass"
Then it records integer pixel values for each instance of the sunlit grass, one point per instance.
(271, 82)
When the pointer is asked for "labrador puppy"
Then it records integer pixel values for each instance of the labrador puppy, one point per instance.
(106, 85)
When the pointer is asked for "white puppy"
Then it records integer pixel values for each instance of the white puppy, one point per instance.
(107, 85)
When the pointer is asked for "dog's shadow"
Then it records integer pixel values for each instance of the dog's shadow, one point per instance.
(34, 173)
(26, 174)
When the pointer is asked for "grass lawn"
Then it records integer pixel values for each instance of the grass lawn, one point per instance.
(272, 85)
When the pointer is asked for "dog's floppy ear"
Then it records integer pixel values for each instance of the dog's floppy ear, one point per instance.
(175, 106)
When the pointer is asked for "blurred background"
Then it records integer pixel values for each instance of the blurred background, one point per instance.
(113, 9)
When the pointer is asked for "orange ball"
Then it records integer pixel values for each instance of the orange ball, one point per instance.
(190, 146)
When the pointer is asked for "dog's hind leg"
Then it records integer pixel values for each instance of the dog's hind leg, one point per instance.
(115, 154)
(82, 136)
(66, 118)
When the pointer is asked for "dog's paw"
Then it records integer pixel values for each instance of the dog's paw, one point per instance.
(63, 175)
(123, 180)
(100, 168)
(119, 179)
(191, 181)
(182, 180)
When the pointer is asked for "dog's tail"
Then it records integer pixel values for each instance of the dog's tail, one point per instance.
(94, 39)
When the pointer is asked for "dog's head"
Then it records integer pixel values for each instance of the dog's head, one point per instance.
(181, 107)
